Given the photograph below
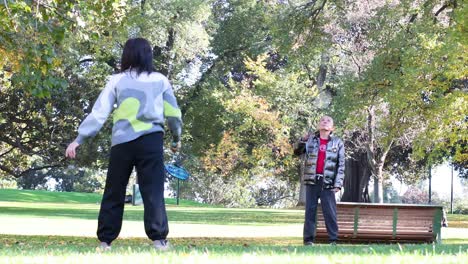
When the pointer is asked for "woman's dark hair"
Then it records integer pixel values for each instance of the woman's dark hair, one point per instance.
(137, 55)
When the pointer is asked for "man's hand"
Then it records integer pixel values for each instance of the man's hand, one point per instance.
(336, 190)
(175, 146)
(71, 150)
(305, 137)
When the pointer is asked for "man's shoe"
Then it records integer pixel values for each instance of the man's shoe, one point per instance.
(309, 243)
(333, 243)
(104, 246)
(161, 244)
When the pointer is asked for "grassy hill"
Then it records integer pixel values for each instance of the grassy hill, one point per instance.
(31, 196)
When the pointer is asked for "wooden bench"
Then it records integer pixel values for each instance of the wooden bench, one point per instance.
(384, 223)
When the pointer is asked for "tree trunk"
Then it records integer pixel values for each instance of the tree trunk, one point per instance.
(164, 56)
(357, 175)
(322, 74)
(324, 97)
(376, 189)
(302, 190)
(378, 185)
(376, 156)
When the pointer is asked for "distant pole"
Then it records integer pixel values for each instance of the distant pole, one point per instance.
(178, 191)
(451, 193)
(430, 186)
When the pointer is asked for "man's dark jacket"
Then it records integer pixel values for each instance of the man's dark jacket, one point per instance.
(333, 171)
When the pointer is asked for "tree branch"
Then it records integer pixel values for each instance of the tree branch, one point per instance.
(8, 151)
(7, 170)
(370, 141)
(17, 173)
(352, 57)
(312, 15)
(387, 149)
(197, 87)
(441, 9)
(38, 168)
(323, 68)
(9, 13)
(7, 8)
(309, 74)
(18, 145)
(306, 5)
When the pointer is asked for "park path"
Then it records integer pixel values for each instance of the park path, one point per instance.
(87, 228)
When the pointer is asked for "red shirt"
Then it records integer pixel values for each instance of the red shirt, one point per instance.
(321, 156)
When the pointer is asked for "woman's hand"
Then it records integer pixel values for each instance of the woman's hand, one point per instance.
(71, 150)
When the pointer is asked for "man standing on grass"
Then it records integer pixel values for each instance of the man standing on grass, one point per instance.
(323, 177)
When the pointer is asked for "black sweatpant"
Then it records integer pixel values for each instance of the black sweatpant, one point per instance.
(146, 154)
(328, 202)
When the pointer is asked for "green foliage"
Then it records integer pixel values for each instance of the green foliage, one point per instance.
(411, 88)
(34, 37)
(8, 182)
(245, 73)
(249, 143)
(253, 103)
(28, 119)
(44, 86)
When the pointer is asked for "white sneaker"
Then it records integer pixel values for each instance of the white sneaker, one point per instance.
(161, 244)
(104, 246)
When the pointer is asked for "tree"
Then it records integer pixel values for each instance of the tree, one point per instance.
(251, 77)
(43, 46)
(34, 33)
(36, 130)
(393, 89)
(45, 110)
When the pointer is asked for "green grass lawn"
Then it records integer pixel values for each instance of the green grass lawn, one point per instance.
(17, 203)
(29, 196)
(189, 215)
(23, 205)
(47, 249)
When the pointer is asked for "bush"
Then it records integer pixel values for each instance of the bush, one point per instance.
(274, 192)
(8, 182)
(460, 205)
(391, 195)
(414, 196)
(63, 180)
(211, 188)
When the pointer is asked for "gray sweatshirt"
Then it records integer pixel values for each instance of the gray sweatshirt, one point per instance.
(141, 103)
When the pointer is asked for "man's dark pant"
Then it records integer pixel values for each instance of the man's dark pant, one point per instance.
(327, 198)
(146, 154)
